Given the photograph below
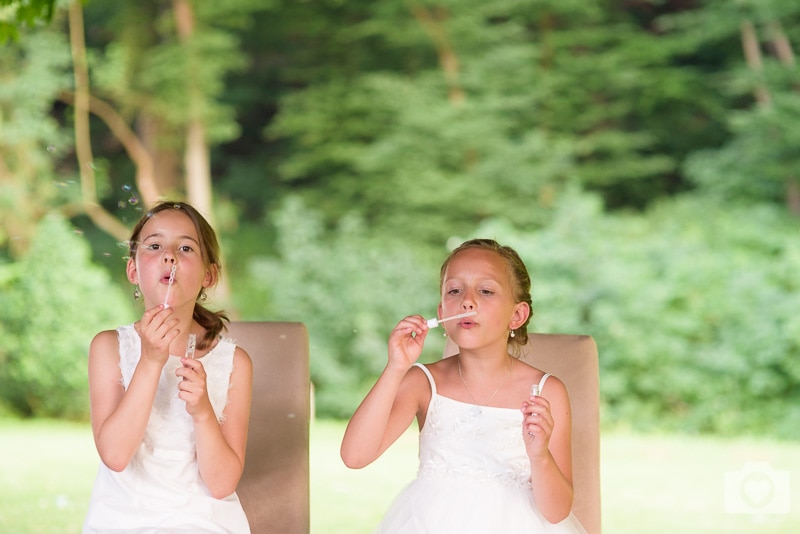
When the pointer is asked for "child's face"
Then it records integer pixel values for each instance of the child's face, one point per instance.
(169, 237)
(477, 279)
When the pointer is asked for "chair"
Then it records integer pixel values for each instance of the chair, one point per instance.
(573, 359)
(274, 488)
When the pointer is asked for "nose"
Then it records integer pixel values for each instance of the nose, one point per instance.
(468, 304)
(169, 259)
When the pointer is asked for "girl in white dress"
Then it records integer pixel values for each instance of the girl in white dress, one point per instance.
(494, 457)
(169, 415)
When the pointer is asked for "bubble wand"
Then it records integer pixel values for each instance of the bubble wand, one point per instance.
(190, 344)
(169, 284)
(433, 323)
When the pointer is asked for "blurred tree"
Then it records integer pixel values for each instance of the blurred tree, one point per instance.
(31, 140)
(760, 160)
(163, 73)
(54, 301)
(443, 114)
(349, 287)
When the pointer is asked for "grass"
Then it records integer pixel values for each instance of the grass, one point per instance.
(651, 484)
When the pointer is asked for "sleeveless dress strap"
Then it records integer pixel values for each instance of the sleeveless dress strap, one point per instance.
(542, 381)
(429, 375)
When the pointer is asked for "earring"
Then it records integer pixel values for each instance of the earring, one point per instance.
(203, 295)
(513, 334)
(136, 294)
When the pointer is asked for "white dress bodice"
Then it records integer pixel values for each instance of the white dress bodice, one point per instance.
(474, 475)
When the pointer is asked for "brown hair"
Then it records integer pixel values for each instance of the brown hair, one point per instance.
(517, 275)
(213, 322)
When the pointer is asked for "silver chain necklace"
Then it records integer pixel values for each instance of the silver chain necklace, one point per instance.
(476, 410)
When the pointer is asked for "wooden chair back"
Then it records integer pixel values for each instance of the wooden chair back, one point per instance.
(274, 488)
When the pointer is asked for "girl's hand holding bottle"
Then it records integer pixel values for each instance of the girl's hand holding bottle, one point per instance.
(537, 425)
(193, 389)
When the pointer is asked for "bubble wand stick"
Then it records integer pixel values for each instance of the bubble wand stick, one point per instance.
(169, 284)
(433, 323)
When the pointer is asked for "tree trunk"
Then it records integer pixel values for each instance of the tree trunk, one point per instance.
(783, 49)
(197, 159)
(196, 156)
(83, 146)
(752, 53)
(448, 59)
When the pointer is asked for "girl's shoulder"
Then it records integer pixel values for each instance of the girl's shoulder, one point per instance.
(530, 371)
(526, 376)
(106, 339)
(441, 368)
(242, 360)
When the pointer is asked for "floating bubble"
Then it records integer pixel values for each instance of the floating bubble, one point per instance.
(126, 187)
(121, 204)
(51, 148)
(133, 200)
(77, 231)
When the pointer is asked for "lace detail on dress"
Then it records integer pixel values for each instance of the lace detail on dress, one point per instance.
(462, 442)
(457, 442)
(170, 426)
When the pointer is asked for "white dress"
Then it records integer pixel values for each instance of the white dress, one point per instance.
(160, 491)
(474, 476)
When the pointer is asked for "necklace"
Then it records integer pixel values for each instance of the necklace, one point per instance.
(476, 410)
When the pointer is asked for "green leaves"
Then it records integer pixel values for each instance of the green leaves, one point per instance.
(25, 13)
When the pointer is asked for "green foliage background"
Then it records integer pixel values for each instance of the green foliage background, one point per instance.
(54, 301)
(619, 146)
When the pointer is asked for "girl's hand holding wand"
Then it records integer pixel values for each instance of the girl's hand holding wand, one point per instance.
(406, 342)
(157, 329)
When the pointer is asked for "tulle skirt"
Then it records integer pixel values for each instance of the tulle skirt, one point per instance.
(467, 506)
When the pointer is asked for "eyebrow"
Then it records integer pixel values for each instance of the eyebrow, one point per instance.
(159, 234)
